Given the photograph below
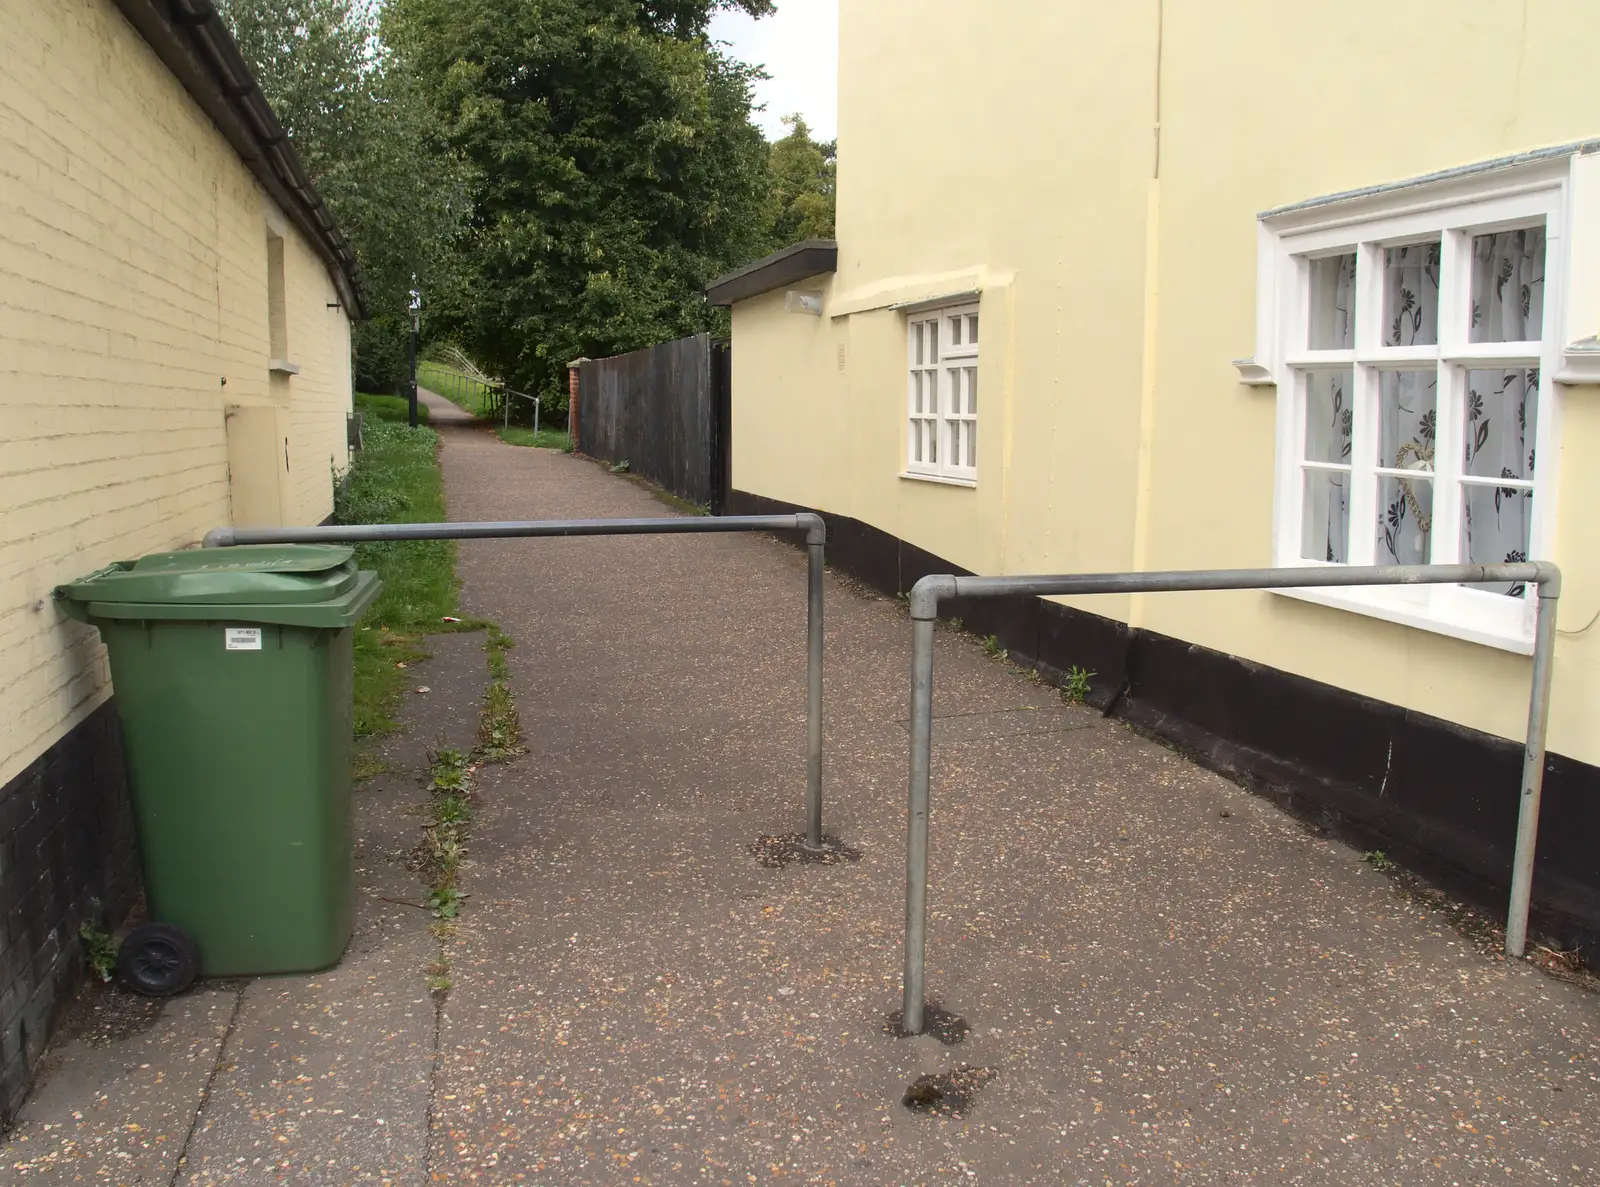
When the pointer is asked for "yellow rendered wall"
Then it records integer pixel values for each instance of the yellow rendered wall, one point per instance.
(1013, 148)
(133, 250)
(1008, 153)
(1314, 100)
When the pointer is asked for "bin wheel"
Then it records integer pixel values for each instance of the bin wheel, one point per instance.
(158, 960)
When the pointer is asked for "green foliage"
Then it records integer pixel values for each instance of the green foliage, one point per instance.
(499, 726)
(1378, 860)
(393, 408)
(804, 173)
(616, 170)
(373, 148)
(464, 391)
(99, 949)
(445, 903)
(992, 648)
(364, 764)
(1075, 687)
(396, 479)
(543, 439)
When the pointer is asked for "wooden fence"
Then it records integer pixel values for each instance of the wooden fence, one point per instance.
(664, 411)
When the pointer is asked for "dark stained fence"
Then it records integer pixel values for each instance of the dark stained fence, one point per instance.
(655, 409)
(721, 426)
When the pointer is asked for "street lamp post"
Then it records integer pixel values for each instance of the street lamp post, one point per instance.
(416, 326)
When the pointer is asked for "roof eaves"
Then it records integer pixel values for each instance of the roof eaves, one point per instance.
(810, 257)
(193, 42)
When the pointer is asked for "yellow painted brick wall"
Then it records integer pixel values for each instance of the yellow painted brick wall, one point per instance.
(133, 308)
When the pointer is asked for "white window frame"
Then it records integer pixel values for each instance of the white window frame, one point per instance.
(941, 388)
(1452, 207)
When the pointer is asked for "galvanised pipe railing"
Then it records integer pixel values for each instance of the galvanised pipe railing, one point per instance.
(811, 524)
(927, 593)
(505, 394)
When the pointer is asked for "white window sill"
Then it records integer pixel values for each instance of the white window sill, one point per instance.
(941, 479)
(1441, 609)
(282, 367)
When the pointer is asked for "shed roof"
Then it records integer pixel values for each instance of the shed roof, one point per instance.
(810, 257)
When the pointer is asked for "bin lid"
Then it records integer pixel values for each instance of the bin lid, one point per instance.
(256, 575)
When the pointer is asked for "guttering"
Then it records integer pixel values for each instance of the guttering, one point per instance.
(193, 42)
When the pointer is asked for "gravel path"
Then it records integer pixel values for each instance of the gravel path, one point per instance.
(1166, 979)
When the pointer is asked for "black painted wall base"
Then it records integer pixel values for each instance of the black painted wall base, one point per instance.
(66, 839)
(1438, 798)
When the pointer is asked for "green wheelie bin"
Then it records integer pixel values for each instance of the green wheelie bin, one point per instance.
(232, 671)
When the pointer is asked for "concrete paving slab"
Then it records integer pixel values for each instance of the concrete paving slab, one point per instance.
(327, 1077)
(323, 1078)
(119, 1090)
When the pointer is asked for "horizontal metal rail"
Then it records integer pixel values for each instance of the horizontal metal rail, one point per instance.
(688, 525)
(812, 525)
(927, 594)
(507, 393)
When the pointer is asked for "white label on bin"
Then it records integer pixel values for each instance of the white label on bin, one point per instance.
(242, 638)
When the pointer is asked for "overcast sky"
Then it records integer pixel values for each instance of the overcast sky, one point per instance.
(799, 46)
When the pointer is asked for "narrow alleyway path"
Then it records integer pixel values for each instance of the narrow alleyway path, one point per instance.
(1166, 979)
(1163, 979)
(443, 413)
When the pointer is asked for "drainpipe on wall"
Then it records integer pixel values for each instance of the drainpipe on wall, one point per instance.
(573, 369)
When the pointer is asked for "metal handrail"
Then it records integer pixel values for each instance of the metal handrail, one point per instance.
(927, 593)
(808, 522)
(506, 405)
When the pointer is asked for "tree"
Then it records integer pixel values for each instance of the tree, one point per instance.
(373, 148)
(803, 177)
(616, 169)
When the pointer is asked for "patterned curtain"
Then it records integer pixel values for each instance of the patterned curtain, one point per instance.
(1407, 406)
(1325, 528)
(1502, 404)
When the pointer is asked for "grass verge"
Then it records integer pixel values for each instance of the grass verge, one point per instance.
(392, 408)
(458, 387)
(396, 479)
(543, 439)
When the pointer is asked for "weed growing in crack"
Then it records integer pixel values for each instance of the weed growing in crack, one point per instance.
(992, 648)
(499, 727)
(444, 837)
(99, 949)
(365, 765)
(1075, 685)
(445, 902)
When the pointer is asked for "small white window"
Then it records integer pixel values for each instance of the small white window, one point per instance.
(942, 394)
(1415, 336)
(277, 301)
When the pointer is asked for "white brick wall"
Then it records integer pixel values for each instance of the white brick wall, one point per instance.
(132, 283)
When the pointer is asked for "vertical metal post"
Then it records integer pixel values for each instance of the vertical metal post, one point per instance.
(913, 979)
(416, 329)
(411, 407)
(505, 399)
(814, 639)
(1544, 644)
(536, 419)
